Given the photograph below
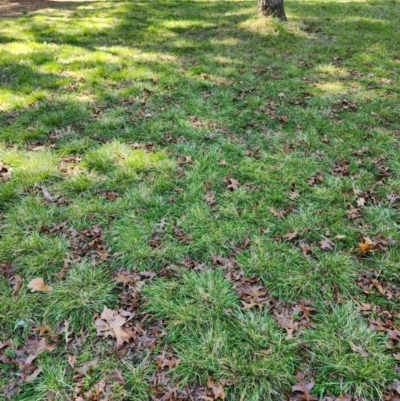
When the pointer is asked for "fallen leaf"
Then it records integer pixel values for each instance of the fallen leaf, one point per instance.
(32, 377)
(393, 198)
(360, 202)
(304, 388)
(112, 196)
(5, 172)
(185, 160)
(166, 360)
(37, 284)
(110, 324)
(121, 335)
(217, 390)
(47, 196)
(180, 235)
(326, 244)
(341, 167)
(366, 246)
(293, 195)
(232, 183)
(209, 197)
(290, 235)
(358, 349)
(354, 213)
(266, 351)
(281, 213)
(317, 179)
(17, 281)
(71, 361)
(117, 376)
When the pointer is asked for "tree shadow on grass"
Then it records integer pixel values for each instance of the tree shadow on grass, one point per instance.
(177, 52)
(17, 8)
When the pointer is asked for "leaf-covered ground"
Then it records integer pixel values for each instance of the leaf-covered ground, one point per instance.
(199, 204)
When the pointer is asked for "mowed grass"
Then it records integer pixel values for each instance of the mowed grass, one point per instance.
(159, 103)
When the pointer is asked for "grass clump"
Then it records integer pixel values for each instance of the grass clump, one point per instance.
(339, 365)
(214, 338)
(18, 314)
(86, 290)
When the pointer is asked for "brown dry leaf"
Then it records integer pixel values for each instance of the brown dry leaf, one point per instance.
(393, 198)
(326, 244)
(360, 152)
(306, 249)
(47, 196)
(180, 235)
(166, 360)
(381, 243)
(288, 323)
(290, 236)
(5, 172)
(185, 160)
(232, 183)
(111, 196)
(358, 349)
(276, 213)
(110, 324)
(36, 347)
(209, 197)
(305, 307)
(155, 241)
(37, 284)
(293, 195)
(71, 361)
(304, 388)
(123, 278)
(223, 162)
(266, 351)
(117, 376)
(17, 283)
(354, 213)
(121, 335)
(281, 213)
(32, 377)
(341, 167)
(361, 202)
(366, 246)
(317, 179)
(218, 392)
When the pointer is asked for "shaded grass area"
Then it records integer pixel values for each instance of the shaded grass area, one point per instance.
(160, 103)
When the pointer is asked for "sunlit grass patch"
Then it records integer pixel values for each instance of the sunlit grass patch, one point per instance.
(30, 168)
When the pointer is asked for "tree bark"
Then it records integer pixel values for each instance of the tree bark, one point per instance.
(272, 7)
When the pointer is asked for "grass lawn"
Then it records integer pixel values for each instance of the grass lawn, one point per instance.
(200, 204)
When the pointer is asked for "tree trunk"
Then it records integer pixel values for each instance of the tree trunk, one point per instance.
(272, 7)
